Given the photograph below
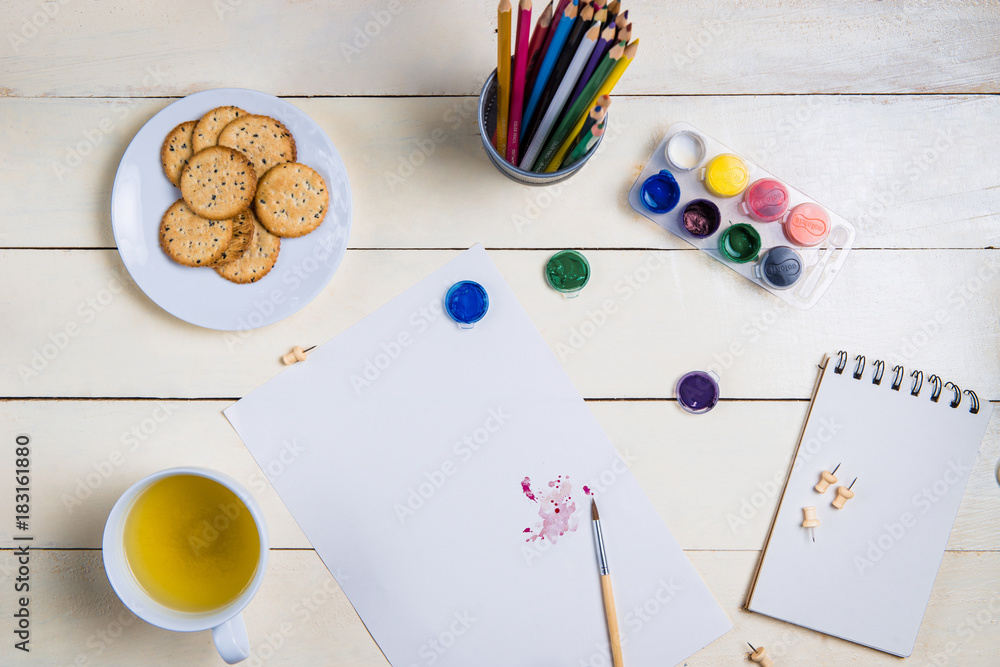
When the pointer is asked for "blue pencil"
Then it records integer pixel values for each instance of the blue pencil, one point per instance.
(545, 69)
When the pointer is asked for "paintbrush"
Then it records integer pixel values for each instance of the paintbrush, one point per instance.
(609, 598)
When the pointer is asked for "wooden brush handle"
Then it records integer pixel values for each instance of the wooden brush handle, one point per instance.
(609, 611)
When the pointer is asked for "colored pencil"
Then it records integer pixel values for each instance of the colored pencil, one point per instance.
(605, 89)
(587, 141)
(556, 15)
(621, 20)
(517, 87)
(610, 615)
(601, 14)
(576, 33)
(558, 100)
(538, 38)
(606, 39)
(594, 117)
(580, 106)
(545, 69)
(503, 75)
(625, 36)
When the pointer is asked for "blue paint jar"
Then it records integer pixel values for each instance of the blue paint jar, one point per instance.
(660, 192)
(466, 303)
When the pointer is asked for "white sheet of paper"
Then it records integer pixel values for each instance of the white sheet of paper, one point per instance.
(869, 574)
(400, 447)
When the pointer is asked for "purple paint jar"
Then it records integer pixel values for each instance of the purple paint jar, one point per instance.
(697, 391)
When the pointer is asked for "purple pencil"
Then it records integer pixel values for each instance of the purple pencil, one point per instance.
(607, 37)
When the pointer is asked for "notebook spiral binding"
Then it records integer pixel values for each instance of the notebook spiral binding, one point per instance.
(878, 369)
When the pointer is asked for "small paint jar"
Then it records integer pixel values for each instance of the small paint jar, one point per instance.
(780, 267)
(766, 200)
(701, 218)
(567, 271)
(807, 225)
(660, 192)
(466, 303)
(740, 243)
(685, 150)
(726, 175)
(697, 391)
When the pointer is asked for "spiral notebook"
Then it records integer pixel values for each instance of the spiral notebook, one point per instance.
(910, 442)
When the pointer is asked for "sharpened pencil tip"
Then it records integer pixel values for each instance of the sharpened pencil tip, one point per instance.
(593, 510)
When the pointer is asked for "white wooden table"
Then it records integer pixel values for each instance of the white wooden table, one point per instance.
(887, 112)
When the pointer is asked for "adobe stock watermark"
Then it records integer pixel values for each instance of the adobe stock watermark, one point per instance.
(701, 39)
(769, 489)
(32, 23)
(289, 453)
(75, 154)
(538, 200)
(463, 450)
(752, 329)
(375, 365)
(923, 502)
(361, 37)
(630, 284)
(61, 338)
(433, 648)
(104, 638)
(131, 441)
(984, 618)
(453, 120)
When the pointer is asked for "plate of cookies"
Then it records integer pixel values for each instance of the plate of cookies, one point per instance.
(231, 209)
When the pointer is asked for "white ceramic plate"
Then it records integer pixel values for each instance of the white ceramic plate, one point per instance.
(200, 296)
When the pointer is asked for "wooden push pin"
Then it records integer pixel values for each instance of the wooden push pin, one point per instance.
(296, 355)
(843, 495)
(759, 656)
(826, 479)
(810, 521)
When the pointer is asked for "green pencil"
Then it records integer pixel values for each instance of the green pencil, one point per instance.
(586, 142)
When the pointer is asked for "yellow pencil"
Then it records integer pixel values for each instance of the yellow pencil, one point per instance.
(504, 12)
(605, 89)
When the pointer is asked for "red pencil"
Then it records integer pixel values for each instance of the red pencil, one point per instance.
(538, 38)
(517, 81)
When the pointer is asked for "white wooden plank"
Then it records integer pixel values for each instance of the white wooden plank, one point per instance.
(314, 47)
(301, 617)
(715, 479)
(910, 171)
(645, 319)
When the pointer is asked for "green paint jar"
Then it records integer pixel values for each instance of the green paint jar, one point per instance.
(740, 243)
(567, 272)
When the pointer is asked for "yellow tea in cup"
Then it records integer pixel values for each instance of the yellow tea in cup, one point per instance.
(191, 543)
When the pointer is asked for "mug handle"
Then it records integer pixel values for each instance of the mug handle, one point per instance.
(231, 640)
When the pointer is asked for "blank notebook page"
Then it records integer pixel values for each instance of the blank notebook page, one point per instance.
(868, 576)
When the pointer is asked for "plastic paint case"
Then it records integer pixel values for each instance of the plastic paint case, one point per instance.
(818, 264)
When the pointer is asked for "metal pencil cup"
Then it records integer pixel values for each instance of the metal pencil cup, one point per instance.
(487, 125)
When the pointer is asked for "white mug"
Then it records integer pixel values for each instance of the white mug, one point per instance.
(228, 629)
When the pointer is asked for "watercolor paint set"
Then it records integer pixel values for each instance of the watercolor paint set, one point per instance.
(743, 216)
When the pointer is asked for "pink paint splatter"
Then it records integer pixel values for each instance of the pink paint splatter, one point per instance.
(526, 487)
(556, 509)
(586, 490)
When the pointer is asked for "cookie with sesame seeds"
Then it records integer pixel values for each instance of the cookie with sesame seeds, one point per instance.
(206, 132)
(191, 240)
(243, 237)
(177, 150)
(292, 200)
(258, 260)
(265, 140)
(218, 183)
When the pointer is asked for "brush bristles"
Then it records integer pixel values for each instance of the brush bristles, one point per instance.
(593, 511)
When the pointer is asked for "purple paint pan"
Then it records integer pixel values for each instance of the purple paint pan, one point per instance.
(698, 391)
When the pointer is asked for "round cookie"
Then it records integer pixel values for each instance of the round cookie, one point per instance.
(291, 200)
(218, 183)
(266, 141)
(257, 262)
(243, 236)
(206, 131)
(177, 151)
(191, 240)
